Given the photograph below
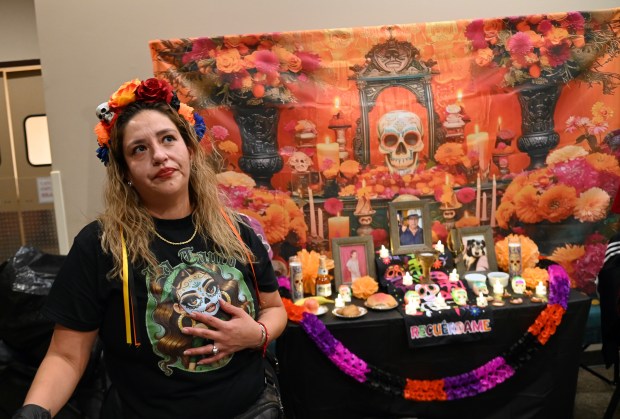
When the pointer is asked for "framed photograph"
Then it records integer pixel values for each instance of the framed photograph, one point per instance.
(410, 227)
(478, 250)
(353, 257)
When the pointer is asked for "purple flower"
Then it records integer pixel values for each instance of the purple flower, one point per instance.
(559, 285)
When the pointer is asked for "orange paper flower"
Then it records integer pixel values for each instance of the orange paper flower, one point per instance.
(309, 268)
(364, 287)
(534, 275)
(565, 256)
(526, 205)
(529, 252)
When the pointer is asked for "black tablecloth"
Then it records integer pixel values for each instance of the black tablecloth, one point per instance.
(312, 387)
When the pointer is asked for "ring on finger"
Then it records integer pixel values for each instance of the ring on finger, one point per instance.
(215, 350)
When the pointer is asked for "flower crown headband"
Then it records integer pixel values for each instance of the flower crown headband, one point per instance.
(150, 90)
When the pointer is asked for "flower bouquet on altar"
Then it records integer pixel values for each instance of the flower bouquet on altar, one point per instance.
(279, 216)
(546, 48)
(247, 70)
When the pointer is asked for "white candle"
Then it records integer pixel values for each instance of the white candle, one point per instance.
(407, 279)
(440, 247)
(493, 202)
(498, 289)
(312, 217)
(339, 301)
(412, 307)
(483, 209)
(454, 276)
(478, 197)
(320, 223)
(541, 290)
(481, 301)
(384, 253)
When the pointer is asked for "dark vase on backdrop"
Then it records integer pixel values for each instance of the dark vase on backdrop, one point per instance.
(538, 136)
(258, 126)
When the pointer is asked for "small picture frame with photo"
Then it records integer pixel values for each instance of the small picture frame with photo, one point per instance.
(410, 227)
(478, 250)
(354, 257)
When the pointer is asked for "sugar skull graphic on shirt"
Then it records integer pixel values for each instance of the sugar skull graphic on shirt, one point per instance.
(195, 285)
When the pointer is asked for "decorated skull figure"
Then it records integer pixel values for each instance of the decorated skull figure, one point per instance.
(459, 295)
(299, 162)
(104, 113)
(200, 293)
(400, 140)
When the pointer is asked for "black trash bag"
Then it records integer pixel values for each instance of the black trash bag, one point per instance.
(25, 282)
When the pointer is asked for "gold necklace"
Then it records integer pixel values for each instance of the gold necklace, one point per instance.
(177, 243)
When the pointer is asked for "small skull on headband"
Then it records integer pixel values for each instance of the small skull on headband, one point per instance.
(104, 113)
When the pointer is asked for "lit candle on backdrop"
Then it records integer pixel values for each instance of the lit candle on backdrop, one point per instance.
(312, 219)
(478, 142)
(320, 223)
(336, 105)
(493, 202)
(459, 97)
(337, 227)
(483, 209)
(478, 197)
(499, 123)
(325, 152)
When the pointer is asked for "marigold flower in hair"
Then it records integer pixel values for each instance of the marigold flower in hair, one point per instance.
(150, 91)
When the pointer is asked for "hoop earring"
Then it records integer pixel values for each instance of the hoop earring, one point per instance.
(180, 321)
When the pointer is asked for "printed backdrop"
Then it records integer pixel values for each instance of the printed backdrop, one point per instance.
(422, 110)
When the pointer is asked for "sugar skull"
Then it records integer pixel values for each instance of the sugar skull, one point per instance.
(428, 292)
(394, 272)
(411, 295)
(345, 292)
(400, 140)
(199, 293)
(299, 162)
(459, 295)
(518, 285)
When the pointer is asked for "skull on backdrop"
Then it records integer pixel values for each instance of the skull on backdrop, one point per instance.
(400, 140)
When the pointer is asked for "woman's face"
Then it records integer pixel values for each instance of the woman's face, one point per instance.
(158, 159)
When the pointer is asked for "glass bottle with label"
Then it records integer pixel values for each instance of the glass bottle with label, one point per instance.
(323, 280)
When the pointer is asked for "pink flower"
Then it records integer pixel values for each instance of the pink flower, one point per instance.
(379, 237)
(520, 44)
(475, 33)
(465, 195)
(290, 126)
(545, 26)
(333, 206)
(571, 124)
(439, 230)
(201, 48)
(595, 128)
(576, 21)
(588, 266)
(266, 62)
(219, 132)
(576, 173)
(309, 61)
(558, 54)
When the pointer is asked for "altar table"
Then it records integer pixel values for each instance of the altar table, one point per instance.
(312, 387)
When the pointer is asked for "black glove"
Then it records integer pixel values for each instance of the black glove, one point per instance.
(32, 411)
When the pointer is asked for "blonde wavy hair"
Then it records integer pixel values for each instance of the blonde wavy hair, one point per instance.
(123, 208)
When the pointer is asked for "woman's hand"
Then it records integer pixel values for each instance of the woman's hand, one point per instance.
(228, 336)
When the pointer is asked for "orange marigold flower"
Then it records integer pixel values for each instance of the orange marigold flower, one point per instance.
(276, 222)
(349, 168)
(529, 251)
(533, 276)
(232, 178)
(601, 111)
(604, 162)
(229, 61)
(557, 203)
(504, 213)
(300, 228)
(187, 112)
(228, 146)
(363, 287)
(592, 205)
(449, 154)
(348, 190)
(526, 205)
(566, 255)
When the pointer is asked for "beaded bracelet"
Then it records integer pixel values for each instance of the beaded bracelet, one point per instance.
(264, 338)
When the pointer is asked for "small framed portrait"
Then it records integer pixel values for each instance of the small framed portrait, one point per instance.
(353, 257)
(478, 250)
(410, 227)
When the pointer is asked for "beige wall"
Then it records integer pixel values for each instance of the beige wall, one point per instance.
(18, 31)
(89, 48)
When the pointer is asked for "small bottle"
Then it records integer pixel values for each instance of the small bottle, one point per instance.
(297, 278)
(323, 281)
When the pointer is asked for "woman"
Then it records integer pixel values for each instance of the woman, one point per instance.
(179, 339)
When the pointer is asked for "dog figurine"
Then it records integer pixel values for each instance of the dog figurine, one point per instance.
(475, 257)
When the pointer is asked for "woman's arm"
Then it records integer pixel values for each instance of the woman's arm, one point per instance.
(61, 369)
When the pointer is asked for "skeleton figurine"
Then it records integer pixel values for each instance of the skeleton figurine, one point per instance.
(400, 140)
(104, 113)
(301, 177)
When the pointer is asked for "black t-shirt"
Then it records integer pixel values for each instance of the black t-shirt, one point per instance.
(155, 380)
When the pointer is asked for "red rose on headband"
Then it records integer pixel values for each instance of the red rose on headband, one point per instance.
(154, 90)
